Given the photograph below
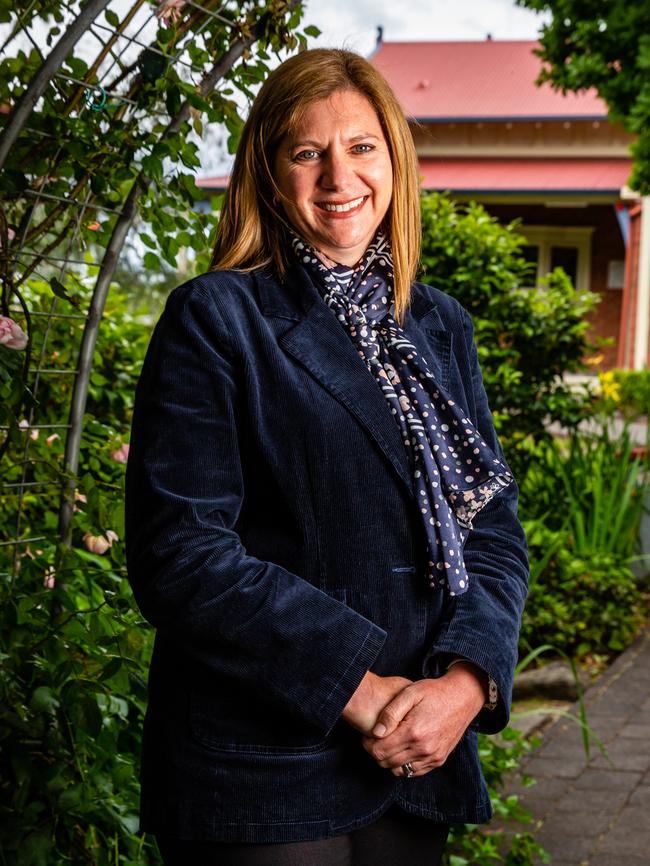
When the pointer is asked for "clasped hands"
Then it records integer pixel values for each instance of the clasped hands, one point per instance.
(420, 722)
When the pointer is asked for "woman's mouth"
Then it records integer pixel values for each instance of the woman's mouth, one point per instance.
(342, 207)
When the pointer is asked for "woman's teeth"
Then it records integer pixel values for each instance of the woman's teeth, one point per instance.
(341, 208)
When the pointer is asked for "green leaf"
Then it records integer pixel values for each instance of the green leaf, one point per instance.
(111, 668)
(112, 18)
(173, 101)
(151, 261)
(44, 700)
(60, 291)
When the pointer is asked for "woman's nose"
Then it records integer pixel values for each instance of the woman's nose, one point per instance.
(336, 171)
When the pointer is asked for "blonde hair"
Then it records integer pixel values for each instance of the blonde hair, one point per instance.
(250, 232)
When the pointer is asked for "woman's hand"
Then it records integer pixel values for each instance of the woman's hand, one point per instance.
(373, 693)
(425, 720)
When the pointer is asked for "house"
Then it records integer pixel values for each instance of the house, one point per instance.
(485, 131)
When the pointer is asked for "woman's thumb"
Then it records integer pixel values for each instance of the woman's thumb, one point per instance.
(392, 714)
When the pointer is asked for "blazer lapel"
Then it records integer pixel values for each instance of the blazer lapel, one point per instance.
(321, 345)
(428, 334)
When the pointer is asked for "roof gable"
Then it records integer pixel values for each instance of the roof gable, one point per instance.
(489, 80)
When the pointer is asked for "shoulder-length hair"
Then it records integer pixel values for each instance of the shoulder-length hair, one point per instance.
(251, 227)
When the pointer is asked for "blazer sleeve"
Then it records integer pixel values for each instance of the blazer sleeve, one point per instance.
(482, 625)
(192, 578)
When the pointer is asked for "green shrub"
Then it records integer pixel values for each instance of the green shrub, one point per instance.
(624, 391)
(583, 500)
(592, 485)
(75, 651)
(472, 846)
(527, 338)
(581, 605)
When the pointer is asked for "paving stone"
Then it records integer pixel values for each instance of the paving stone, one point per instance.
(630, 835)
(615, 860)
(566, 743)
(608, 710)
(637, 679)
(608, 780)
(562, 768)
(542, 798)
(625, 754)
(592, 802)
(637, 729)
(606, 726)
(562, 838)
(640, 796)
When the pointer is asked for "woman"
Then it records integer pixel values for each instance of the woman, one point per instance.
(320, 520)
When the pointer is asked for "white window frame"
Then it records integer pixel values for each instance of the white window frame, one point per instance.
(545, 237)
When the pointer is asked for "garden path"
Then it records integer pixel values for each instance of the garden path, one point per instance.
(595, 811)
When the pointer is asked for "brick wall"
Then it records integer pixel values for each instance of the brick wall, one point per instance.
(607, 245)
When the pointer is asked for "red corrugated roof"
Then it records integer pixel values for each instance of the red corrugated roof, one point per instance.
(525, 175)
(217, 183)
(488, 80)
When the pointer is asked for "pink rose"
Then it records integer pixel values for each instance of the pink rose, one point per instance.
(49, 580)
(12, 335)
(100, 543)
(122, 453)
(11, 234)
(170, 10)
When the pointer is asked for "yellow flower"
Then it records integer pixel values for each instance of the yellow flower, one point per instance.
(611, 391)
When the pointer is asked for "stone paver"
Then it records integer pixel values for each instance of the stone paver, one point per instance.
(595, 811)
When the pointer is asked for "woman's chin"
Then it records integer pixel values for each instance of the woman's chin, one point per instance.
(344, 247)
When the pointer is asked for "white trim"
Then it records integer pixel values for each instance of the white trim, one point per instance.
(643, 290)
(578, 237)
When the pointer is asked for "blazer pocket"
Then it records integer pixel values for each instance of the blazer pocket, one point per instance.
(225, 717)
(221, 731)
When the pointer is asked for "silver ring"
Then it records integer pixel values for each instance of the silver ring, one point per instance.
(408, 769)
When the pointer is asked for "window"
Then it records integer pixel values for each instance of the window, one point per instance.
(551, 247)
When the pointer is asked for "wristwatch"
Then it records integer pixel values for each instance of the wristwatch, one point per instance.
(493, 690)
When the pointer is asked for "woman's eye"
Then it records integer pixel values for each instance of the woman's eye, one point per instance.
(363, 148)
(306, 155)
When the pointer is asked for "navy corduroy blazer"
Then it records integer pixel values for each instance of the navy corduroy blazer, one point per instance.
(273, 540)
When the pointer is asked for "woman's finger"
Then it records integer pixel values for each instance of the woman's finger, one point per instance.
(394, 762)
(419, 768)
(394, 711)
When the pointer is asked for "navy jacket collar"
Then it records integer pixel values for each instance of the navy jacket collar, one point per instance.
(294, 296)
(318, 342)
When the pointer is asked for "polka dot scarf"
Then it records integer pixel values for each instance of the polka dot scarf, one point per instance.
(455, 473)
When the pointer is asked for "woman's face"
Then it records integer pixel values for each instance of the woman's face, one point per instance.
(335, 175)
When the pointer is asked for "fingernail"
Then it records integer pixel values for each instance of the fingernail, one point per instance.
(379, 730)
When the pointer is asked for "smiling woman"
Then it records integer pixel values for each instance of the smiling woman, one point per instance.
(335, 176)
(321, 523)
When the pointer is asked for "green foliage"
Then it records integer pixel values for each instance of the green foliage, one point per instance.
(591, 485)
(624, 391)
(74, 649)
(116, 134)
(585, 605)
(71, 707)
(473, 846)
(583, 504)
(527, 338)
(588, 43)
